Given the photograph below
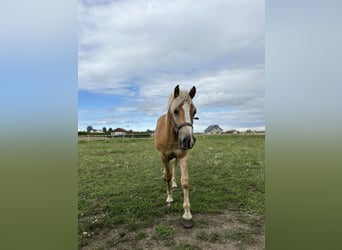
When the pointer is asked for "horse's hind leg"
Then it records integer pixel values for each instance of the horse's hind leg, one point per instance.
(167, 178)
(173, 180)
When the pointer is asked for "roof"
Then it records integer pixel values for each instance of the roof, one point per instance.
(211, 127)
(120, 130)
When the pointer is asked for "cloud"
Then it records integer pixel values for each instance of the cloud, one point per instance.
(142, 49)
(129, 40)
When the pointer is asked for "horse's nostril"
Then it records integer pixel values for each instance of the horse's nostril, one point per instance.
(186, 141)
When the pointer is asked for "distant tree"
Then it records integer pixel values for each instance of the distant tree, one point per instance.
(104, 130)
(110, 130)
(89, 128)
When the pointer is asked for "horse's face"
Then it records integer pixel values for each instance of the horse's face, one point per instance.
(182, 116)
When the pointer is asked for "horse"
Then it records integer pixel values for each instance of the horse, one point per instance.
(174, 136)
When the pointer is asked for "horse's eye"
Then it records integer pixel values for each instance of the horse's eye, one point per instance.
(176, 112)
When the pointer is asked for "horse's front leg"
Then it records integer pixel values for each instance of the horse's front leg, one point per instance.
(187, 217)
(173, 180)
(167, 178)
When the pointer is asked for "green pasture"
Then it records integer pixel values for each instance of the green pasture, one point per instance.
(121, 188)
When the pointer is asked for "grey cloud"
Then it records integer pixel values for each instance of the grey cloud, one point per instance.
(144, 39)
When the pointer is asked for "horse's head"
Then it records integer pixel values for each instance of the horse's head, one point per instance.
(182, 112)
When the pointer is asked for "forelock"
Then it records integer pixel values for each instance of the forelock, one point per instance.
(183, 97)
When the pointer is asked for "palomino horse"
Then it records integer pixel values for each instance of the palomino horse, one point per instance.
(173, 137)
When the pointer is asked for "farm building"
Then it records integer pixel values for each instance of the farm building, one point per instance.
(234, 131)
(118, 132)
(213, 129)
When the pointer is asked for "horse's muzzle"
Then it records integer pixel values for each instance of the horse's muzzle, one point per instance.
(187, 142)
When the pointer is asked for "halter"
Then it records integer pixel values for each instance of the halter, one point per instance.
(177, 127)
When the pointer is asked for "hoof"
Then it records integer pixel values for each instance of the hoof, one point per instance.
(174, 188)
(187, 223)
(168, 203)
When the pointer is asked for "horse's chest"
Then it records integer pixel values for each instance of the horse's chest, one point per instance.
(175, 154)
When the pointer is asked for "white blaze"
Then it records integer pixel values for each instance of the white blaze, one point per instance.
(186, 108)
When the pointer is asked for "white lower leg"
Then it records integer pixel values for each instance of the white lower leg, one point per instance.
(186, 205)
(174, 184)
(169, 197)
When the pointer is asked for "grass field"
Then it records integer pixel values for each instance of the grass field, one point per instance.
(122, 195)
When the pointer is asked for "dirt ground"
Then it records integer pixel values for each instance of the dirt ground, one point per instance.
(227, 230)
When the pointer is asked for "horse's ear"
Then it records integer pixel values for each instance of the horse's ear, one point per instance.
(192, 92)
(176, 92)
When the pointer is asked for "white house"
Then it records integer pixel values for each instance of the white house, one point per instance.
(213, 129)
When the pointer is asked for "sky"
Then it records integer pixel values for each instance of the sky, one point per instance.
(132, 53)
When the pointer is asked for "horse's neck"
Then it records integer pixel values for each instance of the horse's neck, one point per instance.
(170, 126)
